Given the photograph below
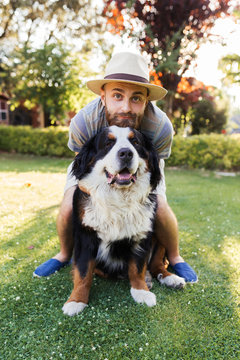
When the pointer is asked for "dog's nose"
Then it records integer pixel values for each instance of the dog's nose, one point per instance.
(125, 154)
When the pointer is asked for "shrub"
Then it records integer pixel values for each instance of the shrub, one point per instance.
(212, 151)
(206, 118)
(24, 139)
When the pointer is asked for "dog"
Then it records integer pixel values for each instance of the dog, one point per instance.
(114, 209)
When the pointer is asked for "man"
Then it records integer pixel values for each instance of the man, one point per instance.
(125, 95)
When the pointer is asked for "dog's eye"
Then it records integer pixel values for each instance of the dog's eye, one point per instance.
(135, 141)
(110, 142)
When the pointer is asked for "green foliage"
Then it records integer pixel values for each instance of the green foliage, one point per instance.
(26, 20)
(230, 65)
(50, 76)
(212, 151)
(206, 118)
(26, 140)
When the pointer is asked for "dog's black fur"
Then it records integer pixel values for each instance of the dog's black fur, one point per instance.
(86, 241)
(117, 169)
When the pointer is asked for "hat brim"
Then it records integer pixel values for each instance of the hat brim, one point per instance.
(156, 92)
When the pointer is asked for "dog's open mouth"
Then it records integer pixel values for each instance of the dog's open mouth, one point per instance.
(124, 177)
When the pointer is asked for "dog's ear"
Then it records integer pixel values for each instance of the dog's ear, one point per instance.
(84, 161)
(153, 163)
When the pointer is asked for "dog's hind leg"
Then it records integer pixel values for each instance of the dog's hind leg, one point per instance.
(139, 288)
(158, 268)
(79, 297)
(100, 273)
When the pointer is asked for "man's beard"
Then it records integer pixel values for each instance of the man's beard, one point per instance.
(123, 119)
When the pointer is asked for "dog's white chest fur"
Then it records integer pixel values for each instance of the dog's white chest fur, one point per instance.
(117, 216)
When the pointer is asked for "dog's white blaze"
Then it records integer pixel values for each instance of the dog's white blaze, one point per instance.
(111, 159)
(73, 308)
(144, 297)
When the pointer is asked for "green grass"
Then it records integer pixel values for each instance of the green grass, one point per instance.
(200, 322)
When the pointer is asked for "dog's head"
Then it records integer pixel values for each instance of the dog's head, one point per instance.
(118, 157)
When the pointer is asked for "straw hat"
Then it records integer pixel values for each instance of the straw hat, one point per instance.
(129, 68)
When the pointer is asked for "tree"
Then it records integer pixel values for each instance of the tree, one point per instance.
(189, 92)
(29, 19)
(169, 31)
(206, 118)
(51, 77)
(230, 66)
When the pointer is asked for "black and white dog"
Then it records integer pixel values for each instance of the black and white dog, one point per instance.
(114, 209)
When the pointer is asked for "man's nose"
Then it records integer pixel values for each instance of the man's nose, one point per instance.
(126, 106)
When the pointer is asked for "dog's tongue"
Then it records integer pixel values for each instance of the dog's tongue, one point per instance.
(124, 175)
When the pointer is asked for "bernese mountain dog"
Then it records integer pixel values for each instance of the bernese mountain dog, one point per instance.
(114, 209)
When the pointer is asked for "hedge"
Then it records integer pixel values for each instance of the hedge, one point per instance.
(213, 151)
(27, 140)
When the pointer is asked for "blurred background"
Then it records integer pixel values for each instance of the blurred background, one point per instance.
(49, 49)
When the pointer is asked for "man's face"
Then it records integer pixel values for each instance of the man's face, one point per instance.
(124, 103)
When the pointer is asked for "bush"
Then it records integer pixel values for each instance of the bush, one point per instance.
(24, 139)
(212, 151)
(206, 118)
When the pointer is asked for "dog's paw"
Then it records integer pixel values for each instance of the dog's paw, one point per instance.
(172, 281)
(143, 297)
(73, 308)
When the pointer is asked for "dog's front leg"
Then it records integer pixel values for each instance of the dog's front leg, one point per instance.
(79, 297)
(139, 288)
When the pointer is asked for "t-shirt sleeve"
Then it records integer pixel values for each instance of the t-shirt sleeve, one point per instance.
(157, 126)
(88, 121)
(163, 138)
(78, 132)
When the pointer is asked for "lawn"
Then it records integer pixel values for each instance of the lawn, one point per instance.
(200, 322)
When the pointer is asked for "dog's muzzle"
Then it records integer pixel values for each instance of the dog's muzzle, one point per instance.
(124, 175)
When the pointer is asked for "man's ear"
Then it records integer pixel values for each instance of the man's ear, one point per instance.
(103, 96)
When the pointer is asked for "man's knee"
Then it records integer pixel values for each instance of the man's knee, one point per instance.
(164, 212)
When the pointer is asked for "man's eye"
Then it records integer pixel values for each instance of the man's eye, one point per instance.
(136, 99)
(117, 96)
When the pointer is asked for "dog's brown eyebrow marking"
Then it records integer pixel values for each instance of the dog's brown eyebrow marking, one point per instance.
(131, 135)
(111, 136)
